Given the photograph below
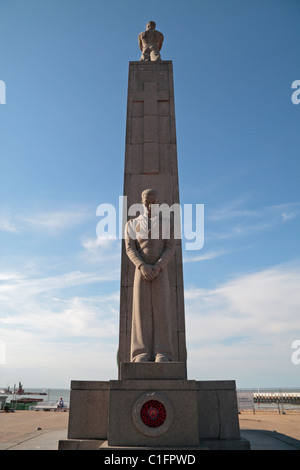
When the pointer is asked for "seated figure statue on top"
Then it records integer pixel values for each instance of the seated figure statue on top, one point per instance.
(150, 42)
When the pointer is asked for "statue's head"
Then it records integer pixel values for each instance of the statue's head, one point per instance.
(149, 197)
(151, 25)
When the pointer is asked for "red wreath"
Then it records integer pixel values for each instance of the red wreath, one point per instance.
(153, 413)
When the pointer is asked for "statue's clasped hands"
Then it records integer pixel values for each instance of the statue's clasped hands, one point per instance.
(149, 272)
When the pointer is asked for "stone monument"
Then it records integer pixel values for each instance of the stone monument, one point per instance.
(152, 405)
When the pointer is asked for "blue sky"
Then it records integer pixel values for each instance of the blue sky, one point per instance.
(65, 67)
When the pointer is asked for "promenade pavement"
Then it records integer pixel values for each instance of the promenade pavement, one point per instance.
(260, 439)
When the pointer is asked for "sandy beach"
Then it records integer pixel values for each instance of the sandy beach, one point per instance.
(21, 425)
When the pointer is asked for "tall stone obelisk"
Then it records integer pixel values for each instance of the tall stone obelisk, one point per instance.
(151, 162)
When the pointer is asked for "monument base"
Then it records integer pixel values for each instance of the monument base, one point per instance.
(153, 407)
(106, 446)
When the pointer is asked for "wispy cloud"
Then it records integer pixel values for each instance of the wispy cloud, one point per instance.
(103, 252)
(27, 287)
(10, 276)
(50, 221)
(259, 303)
(205, 256)
(55, 221)
(7, 225)
(249, 321)
(279, 211)
(92, 317)
(233, 222)
(64, 319)
(96, 245)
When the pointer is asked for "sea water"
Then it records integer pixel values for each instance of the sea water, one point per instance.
(52, 395)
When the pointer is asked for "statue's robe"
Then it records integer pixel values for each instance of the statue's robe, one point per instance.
(151, 331)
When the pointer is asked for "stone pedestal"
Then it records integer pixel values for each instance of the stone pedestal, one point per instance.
(153, 407)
